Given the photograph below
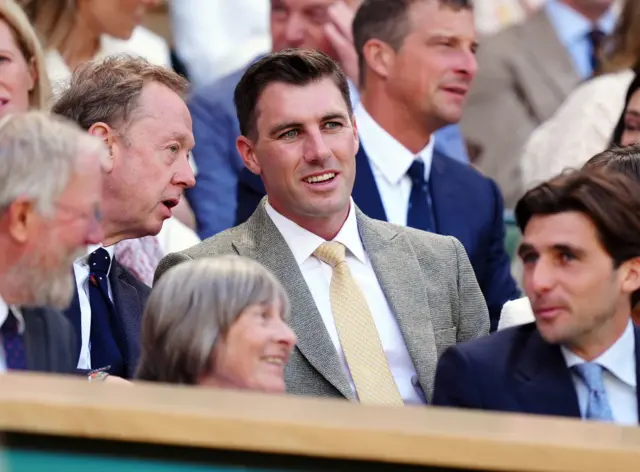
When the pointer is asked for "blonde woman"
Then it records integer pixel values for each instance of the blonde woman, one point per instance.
(217, 322)
(23, 79)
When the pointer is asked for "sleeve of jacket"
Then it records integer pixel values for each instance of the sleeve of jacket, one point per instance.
(168, 262)
(454, 383)
(498, 285)
(473, 317)
(213, 199)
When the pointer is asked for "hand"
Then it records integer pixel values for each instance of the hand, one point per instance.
(338, 31)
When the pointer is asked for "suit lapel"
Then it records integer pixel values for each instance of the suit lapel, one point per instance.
(548, 54)
(36, 339)
(365, 190)
(74, 315)
(129, 314)
(400, 277)
(447, 207)
(542, 381)
(264, 243)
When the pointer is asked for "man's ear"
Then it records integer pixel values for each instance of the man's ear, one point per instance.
(379, 57)
(246, 148)
(631, 275)
(107, 135)
(21, 217)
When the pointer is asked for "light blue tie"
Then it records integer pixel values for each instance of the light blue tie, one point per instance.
(598, 407)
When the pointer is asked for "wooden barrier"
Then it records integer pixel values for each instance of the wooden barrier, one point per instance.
(58, 423)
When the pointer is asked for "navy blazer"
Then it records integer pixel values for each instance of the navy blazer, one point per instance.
(466, 205)
(49, 340)
(513, 370)
(130, 297)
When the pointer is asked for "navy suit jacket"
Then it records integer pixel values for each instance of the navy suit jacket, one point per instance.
(49, 340)
(129, 297)
(513, 370)
(466, 205)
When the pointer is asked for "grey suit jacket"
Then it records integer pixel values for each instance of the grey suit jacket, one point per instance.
(426, 278)
(49, 341)
(524, 75)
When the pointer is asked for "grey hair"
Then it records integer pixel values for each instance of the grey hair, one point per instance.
(38, 155)
(192, 306)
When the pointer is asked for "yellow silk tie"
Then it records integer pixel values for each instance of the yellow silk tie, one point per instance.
(357, 332)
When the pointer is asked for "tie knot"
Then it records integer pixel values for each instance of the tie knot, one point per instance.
(591, 374)
(10, 326)
(332, 253)
(99, 261)
(416, 172)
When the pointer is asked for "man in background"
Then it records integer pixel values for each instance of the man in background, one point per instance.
(417, 62)
(137, 109)
(50, 186)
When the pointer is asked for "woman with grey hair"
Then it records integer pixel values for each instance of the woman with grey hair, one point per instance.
(217, 322)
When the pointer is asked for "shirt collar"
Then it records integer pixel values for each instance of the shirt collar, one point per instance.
(390, 157)
(615, 359)
(4, 313)
(303, 243)
(84, 260)
(571, 26)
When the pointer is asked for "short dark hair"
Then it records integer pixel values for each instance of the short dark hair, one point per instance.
(290, 66)
(388, 21)
(625, 160)
(611, 200)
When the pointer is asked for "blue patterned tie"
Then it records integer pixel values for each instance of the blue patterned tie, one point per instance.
(103, 345)
(598, 407)
(13, 343)
(420, 214)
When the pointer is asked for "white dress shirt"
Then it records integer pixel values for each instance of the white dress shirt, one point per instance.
(4, 313)
(81, 271)
(390, 162)
(619, 373)
(317, 275)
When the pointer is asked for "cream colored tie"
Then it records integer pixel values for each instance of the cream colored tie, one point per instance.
(357, 332)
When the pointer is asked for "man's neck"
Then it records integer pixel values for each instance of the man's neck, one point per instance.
(414, 134)
(591, 12)
(594, 344)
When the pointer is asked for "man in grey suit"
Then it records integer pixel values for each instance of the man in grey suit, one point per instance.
(411, 293)
(50, 198)
(525, 73)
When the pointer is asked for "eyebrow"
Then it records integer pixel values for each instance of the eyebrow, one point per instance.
(182, 137)
(526, 248)
(294, 124)
(634, 113)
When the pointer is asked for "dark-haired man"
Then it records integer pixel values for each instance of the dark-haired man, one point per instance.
(417, 62)
(581, 257)
(373, 304)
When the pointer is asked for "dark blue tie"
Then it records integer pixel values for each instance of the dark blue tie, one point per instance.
(103, 346)
(13, 343)
(596, 38)
(419, 215)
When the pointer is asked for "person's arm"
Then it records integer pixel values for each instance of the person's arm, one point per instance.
(497, 284)
(473, 317)
(213, 199)
(168, 262)
(454, 384)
